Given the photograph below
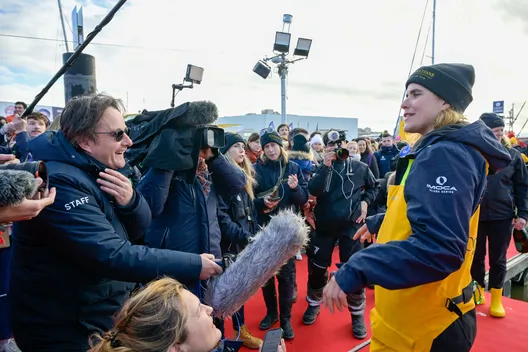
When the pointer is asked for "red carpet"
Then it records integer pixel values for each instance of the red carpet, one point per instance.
(334, 332)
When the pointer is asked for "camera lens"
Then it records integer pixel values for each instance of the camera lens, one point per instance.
(342, 153)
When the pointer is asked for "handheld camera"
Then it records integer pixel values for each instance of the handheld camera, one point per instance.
(337, 137)
(213, 137)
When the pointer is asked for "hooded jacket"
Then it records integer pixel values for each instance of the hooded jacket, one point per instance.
(384, 157)
(507, 192)
(304, 160)
(339, 190)
(183, 218)
(76, 262)
(454, 157)
(267, 174)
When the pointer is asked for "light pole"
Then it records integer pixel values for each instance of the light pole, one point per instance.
(193, 75)
(281, 50)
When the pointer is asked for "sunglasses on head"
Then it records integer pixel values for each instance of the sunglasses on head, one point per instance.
(117, 134)
(266, 130)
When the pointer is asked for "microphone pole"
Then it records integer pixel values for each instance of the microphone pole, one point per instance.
(74, 57)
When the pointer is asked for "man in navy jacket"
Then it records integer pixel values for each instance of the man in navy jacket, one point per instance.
(75, 264)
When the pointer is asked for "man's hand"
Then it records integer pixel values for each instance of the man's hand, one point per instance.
(363, 216)
(209, 267)
(333, 295)
(19, 124)
(116, 185)
(29, 208)
(519, 223)
(6, 159)
(329, 157)
(293, 181)
(363, 234)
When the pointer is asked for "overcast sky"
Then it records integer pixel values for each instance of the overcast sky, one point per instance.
(360, 57)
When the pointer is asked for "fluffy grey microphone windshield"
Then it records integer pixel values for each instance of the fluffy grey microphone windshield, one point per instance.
(284, 236)
(15, 186)
(199, 113)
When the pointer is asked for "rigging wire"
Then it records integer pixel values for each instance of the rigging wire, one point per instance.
(114, 45)
(412, 63)
(426, 41)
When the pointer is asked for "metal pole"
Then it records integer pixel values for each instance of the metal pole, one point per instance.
(434, 31)
(283, 71)
(74, 56)
(63, 28)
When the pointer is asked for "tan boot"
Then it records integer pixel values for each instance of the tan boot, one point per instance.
(496, 308)
(480, 299)
(250, 341)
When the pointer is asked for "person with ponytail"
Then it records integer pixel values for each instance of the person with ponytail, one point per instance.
(164, 317)
(420, 265)
(237, 217)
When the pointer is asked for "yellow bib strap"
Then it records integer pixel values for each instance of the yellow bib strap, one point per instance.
(404, 178)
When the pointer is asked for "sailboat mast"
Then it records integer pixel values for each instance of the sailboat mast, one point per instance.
(434, 33)
(62, 23)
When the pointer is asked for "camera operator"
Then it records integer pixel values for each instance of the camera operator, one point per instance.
(75, 263)
(344, 188)
(185, 213)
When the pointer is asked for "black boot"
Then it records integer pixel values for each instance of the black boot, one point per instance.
(270, 298)
(310, 315)
(359, 329)
(287, 330)
(268, 321)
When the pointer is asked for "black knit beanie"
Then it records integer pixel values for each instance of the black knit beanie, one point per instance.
(451, 82)
(230, 139)
(492, 120)
(300, 144)
(269, 137)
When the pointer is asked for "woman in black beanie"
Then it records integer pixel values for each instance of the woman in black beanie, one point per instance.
(280, 185)
(504, 204)
(426, 239)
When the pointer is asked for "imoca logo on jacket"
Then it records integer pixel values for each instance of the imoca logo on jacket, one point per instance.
(441, 186)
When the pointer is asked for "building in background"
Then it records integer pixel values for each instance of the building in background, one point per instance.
(249, 123)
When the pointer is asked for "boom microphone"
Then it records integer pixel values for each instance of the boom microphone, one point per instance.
(273, 246)
(15, 186)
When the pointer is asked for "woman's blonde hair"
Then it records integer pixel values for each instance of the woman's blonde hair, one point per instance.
(448, 116)
(248, 169)
(153, 320)
(284, 155)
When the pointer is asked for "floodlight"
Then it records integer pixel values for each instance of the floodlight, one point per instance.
(282, 42)
(303, 47)
(262, 69)
(194, 74)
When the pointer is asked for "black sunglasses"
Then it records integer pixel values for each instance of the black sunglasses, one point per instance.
(118, 135)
